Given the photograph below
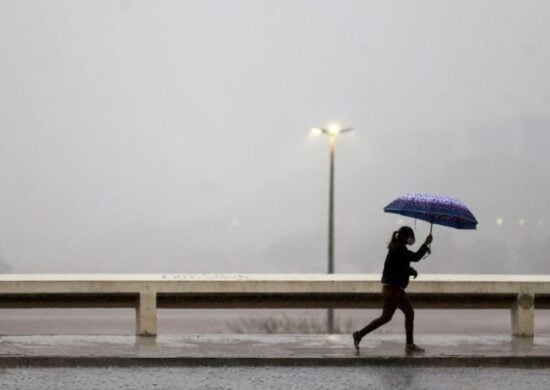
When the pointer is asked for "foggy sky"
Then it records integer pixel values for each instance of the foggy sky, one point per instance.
(172, 136)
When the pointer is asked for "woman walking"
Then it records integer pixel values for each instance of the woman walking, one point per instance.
(395, 279)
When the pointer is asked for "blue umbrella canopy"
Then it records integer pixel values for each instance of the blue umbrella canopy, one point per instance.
(440, 210)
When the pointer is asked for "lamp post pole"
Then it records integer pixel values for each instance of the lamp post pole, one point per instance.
(332, 147)
(332, 132)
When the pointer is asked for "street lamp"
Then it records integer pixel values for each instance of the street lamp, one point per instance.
(332, 131)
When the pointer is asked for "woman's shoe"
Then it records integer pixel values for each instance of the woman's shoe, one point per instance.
(413, 348)
(356, 341)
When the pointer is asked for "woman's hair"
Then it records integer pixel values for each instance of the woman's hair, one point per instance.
(400, 236)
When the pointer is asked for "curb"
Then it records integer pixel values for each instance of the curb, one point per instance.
(451, 361)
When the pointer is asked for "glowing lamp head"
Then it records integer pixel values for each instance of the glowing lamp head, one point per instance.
(334, 129)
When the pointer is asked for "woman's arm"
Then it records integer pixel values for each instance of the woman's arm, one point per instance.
(419, 254)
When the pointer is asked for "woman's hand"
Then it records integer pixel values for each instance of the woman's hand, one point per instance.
(429, 240)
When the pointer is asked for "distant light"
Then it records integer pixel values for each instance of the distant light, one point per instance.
(334, 129)
(541, 222)
(521, 222)
(235, 222)
(400, 221)
(315, 132)
(500, 221)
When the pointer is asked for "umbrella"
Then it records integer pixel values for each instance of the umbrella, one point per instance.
(440, 210)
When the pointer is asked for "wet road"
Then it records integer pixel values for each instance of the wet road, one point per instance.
(187, 362)
(243, 378)
(205, 347)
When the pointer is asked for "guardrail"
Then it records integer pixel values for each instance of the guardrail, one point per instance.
(145, 293)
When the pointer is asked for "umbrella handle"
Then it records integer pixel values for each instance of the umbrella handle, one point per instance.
(431, 228)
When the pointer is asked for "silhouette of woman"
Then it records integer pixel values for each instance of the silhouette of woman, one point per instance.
(395, 278)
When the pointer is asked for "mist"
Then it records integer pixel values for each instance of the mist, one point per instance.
(172, 136)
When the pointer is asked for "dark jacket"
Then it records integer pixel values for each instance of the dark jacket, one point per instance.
(397, 267)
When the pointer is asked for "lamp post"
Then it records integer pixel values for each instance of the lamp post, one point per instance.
(332, 132)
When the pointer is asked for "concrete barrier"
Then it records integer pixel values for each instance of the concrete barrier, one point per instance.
(145, 293)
